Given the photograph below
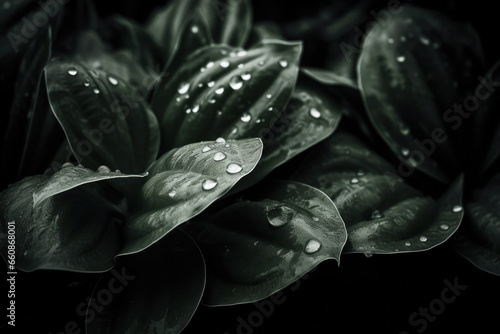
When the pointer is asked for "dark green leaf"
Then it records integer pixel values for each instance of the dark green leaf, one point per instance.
(159, 291)
(222, 91)
(382, 213)
(411, 73)
(183, 183)
(105, 123)
(258, 246)
(479, 241)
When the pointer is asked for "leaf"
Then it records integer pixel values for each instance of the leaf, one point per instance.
(412, 72)
(219, 88)
(159, 291)
(76, 231)
(229, 21)
(330, 78)
(71, 177)
(263, 243)
(479, 240)
(21, 113)
(382, 213)
(105, 123)
(183, 183)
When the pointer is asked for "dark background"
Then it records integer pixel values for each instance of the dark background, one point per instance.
(376, 294)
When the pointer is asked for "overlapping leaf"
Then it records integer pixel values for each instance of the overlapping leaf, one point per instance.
(266, 241)
(382, 213)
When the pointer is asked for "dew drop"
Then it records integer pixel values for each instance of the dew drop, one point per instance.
(240, 66)
(211, 101)
(172, 193)
(261, 63)
(283, 63)
(424, 40)
(117, 171)
(236, 82)
(354, 180)
(220, 140)
(195, 109)
(315, 219)
(246, 76)
(457, 208)
(269, 96)
(246, 117)
(233, 168)
(444, 227)
(401, 59)
(390, 40)
(208, 184)
(241, 53)
(219, 156)
(405, 152)
(200, 84)
(312, 246)
(103, 169)
(280, 215)
(86, 83)
(315, 113)
(219, 90)
(210, 64)
(423, 238)
(206, 149)
(72, 71)
(376, 215)
(202, 69)
(195, 29)
(407, 243)
(224, 63)
(188, 111)
(211, 84)
(235, 130)
(113, 81)
(96, 91)
(183, 88)
(404, 130)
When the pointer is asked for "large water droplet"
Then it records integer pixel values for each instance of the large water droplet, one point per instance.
(423, 238)
(246, 76)
(112, 81)
(103, 169)
(457, 208)
(219, 156)
(407, 243)
(220, 140)
(444, 227)
(315, 219)
(376, 215)
(206, 149)
(183, 88)
(246, 117)
(224, 63)
(219, 90)
(315, 113)
(210, 64)
(211, 84)
(269, 96)
(280, 215)
(195, 29)
(195, 109)
(172, 193)
(401, 59)
(312, 246)
(96, 91)
(405, 152)
(354, 180)
(208, 184)
(283, 63)
(72, 71)
(241, 53)
(233, 168)
(236, 82)
(86, 83)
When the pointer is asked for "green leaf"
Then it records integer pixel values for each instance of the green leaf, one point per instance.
(105, 123)
(411, 73)
(263, 243)
(183, 183)
(479, 240)
(229, 21)
(159, 291)
(219, 89)
(382, 213)
(77, 231)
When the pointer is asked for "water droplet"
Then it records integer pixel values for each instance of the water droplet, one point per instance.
(117, 171)
(280, 215)
(240, 66)
(196, 108)
(200, 84)
(211, 84)
(261, 63)
(283, 63)
(354, 180)
(241, 53)
(208, 184)
(423, 238)
(206, 149)
(219, 113)
(223, 52)
(401, 59)
(219, 90)
(210, 64)
(195, 29)
(211, 101)
(312, 246)
(258, 120)
(86, 83)
(202, 69)
(113, 81)
(219, 156)
(407, 243)
(269, 96)
(188, 111)
(236, 82)
(457, 208)
(424, 40)
(315, 219)
(390, 40)
(172, 193)
(67, 164)
(235, 130)
(224, 63)
(246, 76)
(404, 130)
(220, 140)
(405, 152)
(72, 71)
(444, 227)
(233, 168)
(96, 91)
(376, 215)
(183, 88)
(103, 169)
(178, 99)
(315, 113)
(246, 117)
